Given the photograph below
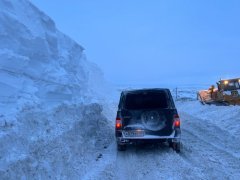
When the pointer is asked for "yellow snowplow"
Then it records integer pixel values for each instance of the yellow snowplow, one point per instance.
(226, 93)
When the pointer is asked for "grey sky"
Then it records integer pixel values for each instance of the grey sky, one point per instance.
(155, 41)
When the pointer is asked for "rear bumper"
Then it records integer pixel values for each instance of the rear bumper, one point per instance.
(174, 137)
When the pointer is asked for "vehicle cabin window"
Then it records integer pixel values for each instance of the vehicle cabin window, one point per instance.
(146, 100)
(237, 85)
(231, 86)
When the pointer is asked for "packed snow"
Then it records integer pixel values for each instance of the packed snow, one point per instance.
(57, 114)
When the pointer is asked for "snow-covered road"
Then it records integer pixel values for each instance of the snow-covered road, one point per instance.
(209, 152)
(86, 149)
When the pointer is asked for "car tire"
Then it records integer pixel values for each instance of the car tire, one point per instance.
(176, 147)
(121, 147)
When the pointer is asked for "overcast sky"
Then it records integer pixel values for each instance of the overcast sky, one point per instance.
(154, 41)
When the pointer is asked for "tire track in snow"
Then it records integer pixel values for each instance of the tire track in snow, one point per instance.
(209, 148)
(213, 134)
(154, 162)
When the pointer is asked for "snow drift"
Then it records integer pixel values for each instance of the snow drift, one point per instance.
(50, 98)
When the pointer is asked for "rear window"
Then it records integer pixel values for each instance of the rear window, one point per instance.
(146, 100)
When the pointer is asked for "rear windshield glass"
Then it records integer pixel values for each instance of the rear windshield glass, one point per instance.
(146, 100)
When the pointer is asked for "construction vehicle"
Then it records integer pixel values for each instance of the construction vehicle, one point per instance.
(226, 93)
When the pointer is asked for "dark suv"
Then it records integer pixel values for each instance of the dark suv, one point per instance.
(147, 115)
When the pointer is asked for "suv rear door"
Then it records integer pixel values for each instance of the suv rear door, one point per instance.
(149, 110)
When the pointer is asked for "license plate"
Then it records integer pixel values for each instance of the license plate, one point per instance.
(134, 133)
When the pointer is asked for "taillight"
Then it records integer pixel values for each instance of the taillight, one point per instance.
(118, 123)
(176, 121)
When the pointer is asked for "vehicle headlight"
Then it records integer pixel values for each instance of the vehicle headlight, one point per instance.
(225, 82)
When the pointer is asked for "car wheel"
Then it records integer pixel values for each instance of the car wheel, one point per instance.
(121, 147)
(170, 144)
(176, 146)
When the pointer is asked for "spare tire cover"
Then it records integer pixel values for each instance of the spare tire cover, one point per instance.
(154, 121)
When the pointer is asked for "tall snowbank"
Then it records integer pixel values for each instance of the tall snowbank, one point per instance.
(39, 64)
(51, 98)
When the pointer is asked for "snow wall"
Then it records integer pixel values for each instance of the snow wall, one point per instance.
(51, 98)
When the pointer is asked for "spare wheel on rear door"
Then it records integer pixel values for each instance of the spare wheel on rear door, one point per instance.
(153, 120)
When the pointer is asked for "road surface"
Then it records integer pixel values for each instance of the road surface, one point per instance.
(207, 153)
